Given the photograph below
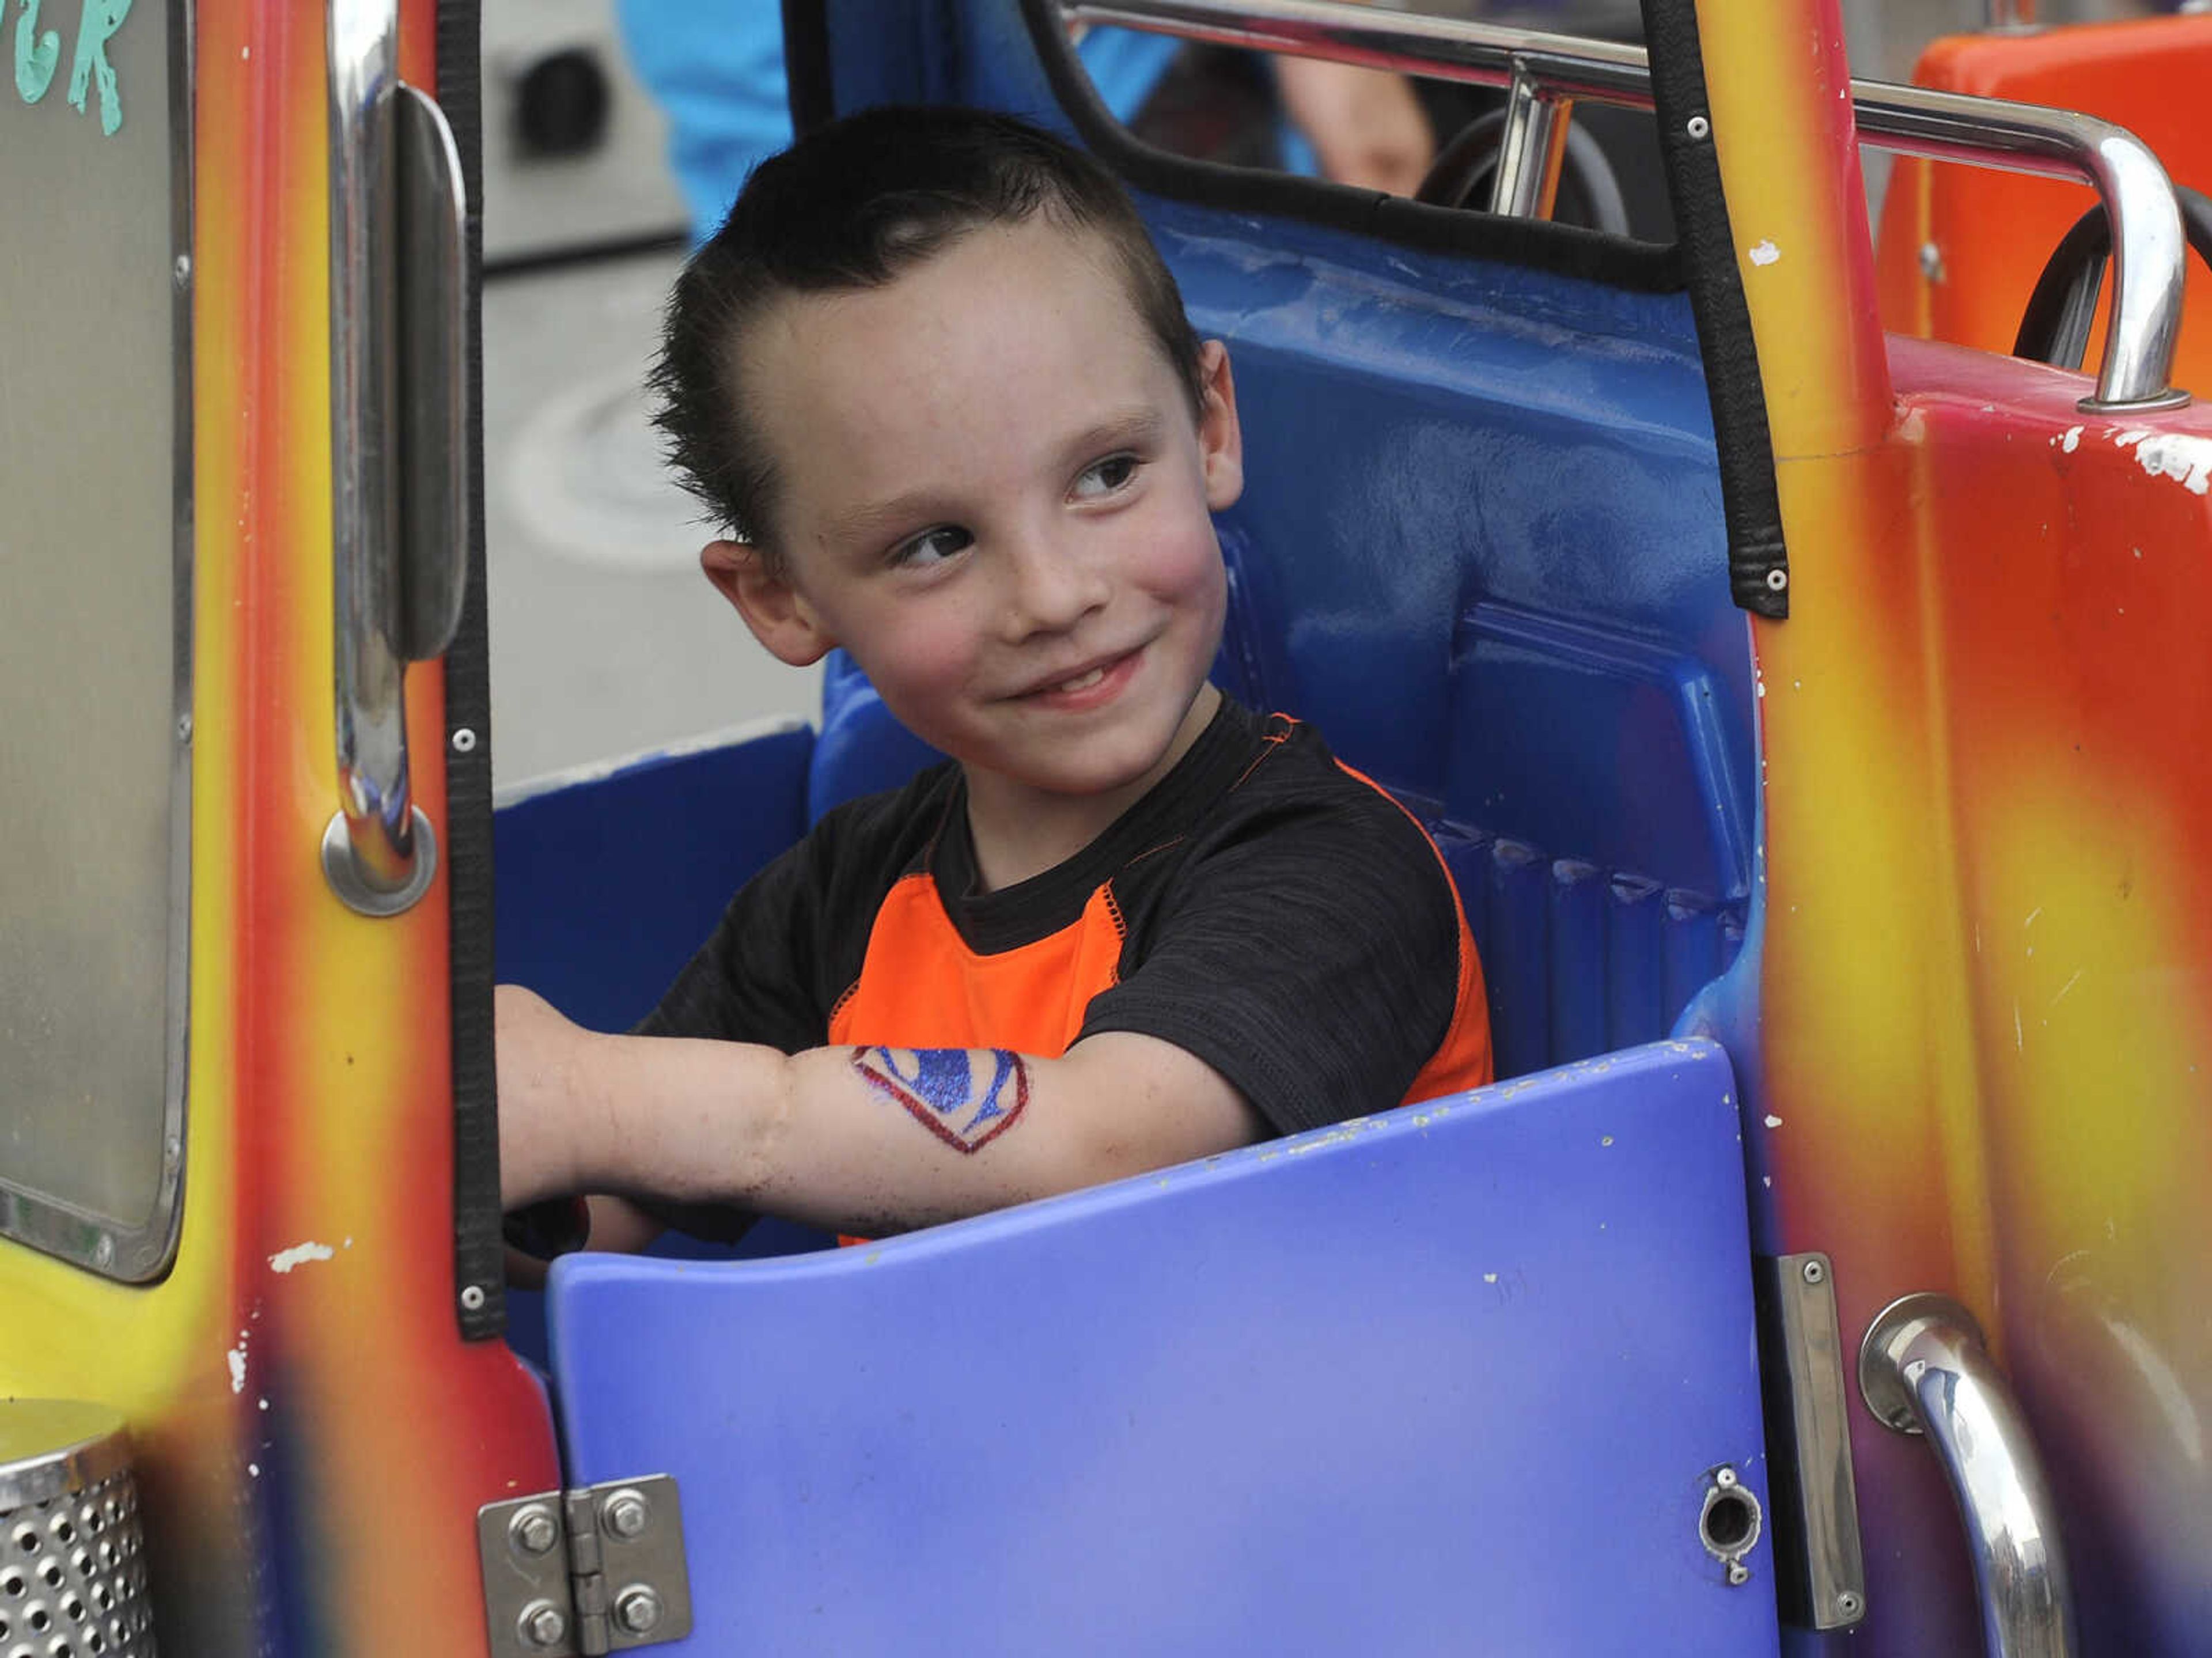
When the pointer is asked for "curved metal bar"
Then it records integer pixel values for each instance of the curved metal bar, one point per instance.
(1923, 1367)
(373, 795)
(1529, 151)
(1942, 125)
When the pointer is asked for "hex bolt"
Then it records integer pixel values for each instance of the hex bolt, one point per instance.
(626, 1513)
(183, 728)
(183, 269)
(533, 1532)
(1814, 1272)
(1848, 1603)
(542, 1626)
(1724, 1479)
(637, 1610)
(1931, 261)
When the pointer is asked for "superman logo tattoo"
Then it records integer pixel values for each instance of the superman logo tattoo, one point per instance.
(966, 1099)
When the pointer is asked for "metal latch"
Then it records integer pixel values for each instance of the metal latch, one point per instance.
(576, 1573)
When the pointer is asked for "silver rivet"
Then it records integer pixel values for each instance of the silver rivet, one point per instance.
(1931, 261)
(625, 1513)
(1777, 581)
(542, 1626)
(1724, 1479)
(172, 1149)
(1698, 127)
(1848, 1605)
(103, 1252)
(532, 1530)
(1814, 1272)
(184, 268)
(183, 728)
(472, 1298)
(637, 1610)
(465, 741)
(1738, 1574)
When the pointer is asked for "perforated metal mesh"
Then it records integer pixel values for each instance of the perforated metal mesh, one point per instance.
(73, 1576)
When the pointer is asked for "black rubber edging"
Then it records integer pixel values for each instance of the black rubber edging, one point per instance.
(1758, 561)
(806, 65)
(479, 1253)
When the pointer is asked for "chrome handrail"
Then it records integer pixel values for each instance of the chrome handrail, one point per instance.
(2148, 248)
(399, 457)
(1924, 1369)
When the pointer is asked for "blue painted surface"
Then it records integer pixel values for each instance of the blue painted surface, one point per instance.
(607, 885)
(1446, 1379)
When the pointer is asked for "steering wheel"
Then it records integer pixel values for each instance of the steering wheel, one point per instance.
(1589, 190)
(2055, 327)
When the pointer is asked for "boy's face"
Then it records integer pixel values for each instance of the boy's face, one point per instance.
(995, 495)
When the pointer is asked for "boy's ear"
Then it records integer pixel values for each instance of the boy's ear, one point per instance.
(1220, 438)
(776, 611)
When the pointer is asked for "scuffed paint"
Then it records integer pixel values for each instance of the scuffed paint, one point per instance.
(299, 1255)
(1764, 253)
(2181, 456)
(235, 1359)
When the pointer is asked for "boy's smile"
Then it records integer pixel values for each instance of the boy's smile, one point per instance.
(991, 490)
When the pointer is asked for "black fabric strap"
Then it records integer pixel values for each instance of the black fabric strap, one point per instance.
(479, 1259)
(1758, 563)
(806, 65)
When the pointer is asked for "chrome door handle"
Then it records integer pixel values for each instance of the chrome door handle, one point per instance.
(1924, 1369)
(399, 452)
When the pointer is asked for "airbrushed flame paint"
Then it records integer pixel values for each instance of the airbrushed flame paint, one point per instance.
(1986, 971)
(314, 1436)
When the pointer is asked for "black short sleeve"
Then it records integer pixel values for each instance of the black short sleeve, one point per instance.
(1307, 948)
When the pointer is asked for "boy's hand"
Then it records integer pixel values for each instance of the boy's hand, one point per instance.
(545, 1080)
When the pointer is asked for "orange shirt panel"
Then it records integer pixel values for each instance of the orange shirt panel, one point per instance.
(920, 985)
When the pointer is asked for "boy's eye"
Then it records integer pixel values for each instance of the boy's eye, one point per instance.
(933, 546)
(1104, 477)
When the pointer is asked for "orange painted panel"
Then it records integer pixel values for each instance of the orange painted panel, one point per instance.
(1992, 232)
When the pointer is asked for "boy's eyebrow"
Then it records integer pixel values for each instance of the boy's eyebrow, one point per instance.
(875, 518)
(1139, 424)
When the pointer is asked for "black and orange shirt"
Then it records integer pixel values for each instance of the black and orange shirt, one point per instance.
(1262, 907)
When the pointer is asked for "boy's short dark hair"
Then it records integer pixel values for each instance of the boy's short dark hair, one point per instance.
(853, 206)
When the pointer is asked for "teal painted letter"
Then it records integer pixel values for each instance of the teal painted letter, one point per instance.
(94, 29)
(36, 56)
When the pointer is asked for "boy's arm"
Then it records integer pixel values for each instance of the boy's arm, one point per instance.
(866, 1140)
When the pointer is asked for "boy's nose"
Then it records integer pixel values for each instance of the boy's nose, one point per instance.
(1052, 588)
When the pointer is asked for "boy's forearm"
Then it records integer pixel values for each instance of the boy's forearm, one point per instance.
(855, 1139)
(870, 1139)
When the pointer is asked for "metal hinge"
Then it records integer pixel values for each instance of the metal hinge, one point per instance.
(579, 1573)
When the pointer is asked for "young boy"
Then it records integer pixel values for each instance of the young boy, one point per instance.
(935, 377)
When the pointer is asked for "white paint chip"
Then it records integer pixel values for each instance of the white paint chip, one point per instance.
(236, 1359)
(1773, 1121)
(1490, 1277)
(2072, 441)
(299, 1255)
(2187, 460)
(1764, 253)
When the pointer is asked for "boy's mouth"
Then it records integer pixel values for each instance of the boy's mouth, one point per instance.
(1095, 683)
